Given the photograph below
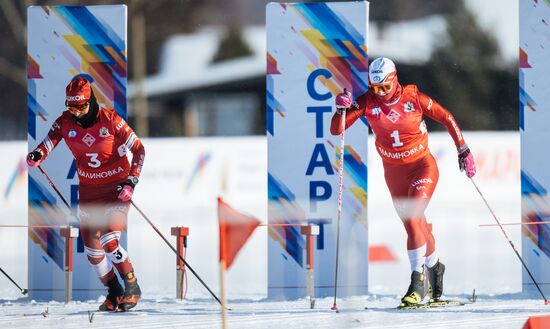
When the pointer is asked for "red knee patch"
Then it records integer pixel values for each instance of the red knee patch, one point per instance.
(111, 245)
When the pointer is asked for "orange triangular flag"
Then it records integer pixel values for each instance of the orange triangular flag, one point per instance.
(235, 229)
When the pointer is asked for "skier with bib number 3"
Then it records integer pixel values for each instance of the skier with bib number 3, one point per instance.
(99, 138)
(395, 114)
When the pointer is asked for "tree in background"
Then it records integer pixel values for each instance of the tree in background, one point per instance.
(232, 45)
(384, 12)
(468, 75)
(163, 18)
(466, 72)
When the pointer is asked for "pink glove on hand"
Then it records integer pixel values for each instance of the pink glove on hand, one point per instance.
(466, 162)
(344, 100)
(126, 193)
(34, 158)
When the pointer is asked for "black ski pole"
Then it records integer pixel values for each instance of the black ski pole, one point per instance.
(179, 256)
(546, 302)
(54, 187)
(23, 291)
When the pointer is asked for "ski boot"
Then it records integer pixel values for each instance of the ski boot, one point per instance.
(417, 290)
(132, 293)
(114, 295)
(435, 276)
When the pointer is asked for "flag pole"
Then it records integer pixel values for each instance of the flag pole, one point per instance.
(223, 266)
(229, 220)
(222, 284)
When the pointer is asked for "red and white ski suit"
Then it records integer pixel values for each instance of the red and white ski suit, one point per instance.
(101, 163)
(401, 139)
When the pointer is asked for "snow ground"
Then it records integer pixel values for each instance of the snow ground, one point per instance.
(487, 312)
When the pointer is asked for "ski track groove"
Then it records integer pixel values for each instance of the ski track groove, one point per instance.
(107, 320)
(468, 323)
(268, 315)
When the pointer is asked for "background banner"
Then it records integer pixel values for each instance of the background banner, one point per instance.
(314, 50)
(534, 118)
(64, 42)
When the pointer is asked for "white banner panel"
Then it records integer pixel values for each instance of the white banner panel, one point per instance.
(534, 66)
(64, 42)
(314, 51)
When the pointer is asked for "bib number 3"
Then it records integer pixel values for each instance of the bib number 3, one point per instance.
(94, 162)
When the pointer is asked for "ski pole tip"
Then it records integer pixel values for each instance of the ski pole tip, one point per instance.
(334, 308)
(547, 302)
(24, 291)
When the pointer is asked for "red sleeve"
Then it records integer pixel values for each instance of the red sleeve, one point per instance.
(351, 116)
(52, 139)
(437, 112)
(126, 135)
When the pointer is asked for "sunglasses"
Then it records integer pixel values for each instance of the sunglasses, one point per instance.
(77, 108)
(382, 88)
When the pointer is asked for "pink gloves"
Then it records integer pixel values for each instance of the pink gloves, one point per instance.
(343, 101)
(126, 193)
(34, 158)
(466, 162)
(126, 189)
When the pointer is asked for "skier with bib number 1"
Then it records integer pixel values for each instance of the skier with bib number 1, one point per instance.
(395, 114)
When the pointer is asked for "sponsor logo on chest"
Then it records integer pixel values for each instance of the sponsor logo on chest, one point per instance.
(400, 155)
(101, 174)
(71, 133)
(393, 116)
(408, 107)
(88, 139)
(103, 132)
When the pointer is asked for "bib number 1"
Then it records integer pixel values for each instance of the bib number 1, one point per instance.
(396, 141)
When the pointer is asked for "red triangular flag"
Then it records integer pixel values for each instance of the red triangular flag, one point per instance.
(235, 229)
